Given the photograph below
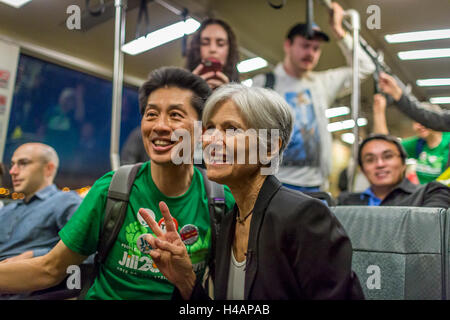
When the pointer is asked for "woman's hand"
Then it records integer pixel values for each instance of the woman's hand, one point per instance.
(213, 78)
(388, 85)
(169, 252)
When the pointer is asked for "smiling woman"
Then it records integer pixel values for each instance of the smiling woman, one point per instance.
(252, 259)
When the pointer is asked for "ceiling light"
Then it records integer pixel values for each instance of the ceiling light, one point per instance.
(15, 3)
(251, 64)
(247, 83)
(440, 100)
(424, 54)
(336, 112)
(348, 137)
(433, 82)
(161, 36)
(346, 124)
(418, 36)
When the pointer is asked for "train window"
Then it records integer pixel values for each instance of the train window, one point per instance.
(71, 111)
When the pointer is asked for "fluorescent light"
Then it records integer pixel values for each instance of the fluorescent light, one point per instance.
(248, 82)
(346, 124)
(161, 36)
(348, 137)
(424, 54)
(418, 36)
(336, 112)
(433, 82)
(251, 64)
(440, 100)
(15, 3)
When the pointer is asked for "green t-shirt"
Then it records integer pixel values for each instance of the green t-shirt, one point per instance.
(431, 162)
(128, 273)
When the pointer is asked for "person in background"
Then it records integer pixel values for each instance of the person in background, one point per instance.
(214, 41)
(438, 120)
(382, 159)
(307, 160)
(29, 227)
(430, 148)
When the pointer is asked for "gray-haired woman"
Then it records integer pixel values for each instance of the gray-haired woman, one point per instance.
(277, 243)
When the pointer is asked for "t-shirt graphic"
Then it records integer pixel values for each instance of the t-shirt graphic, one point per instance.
(304, 148)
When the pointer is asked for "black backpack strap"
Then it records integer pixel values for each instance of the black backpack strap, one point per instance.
(217, 207)
(419, 147)
(115, 211)
(270, 80)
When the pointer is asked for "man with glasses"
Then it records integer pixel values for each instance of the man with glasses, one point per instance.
(29, 227)
(383, 161)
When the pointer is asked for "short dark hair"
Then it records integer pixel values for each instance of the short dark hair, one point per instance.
(194, 58)
(385, 137)
(178, 78)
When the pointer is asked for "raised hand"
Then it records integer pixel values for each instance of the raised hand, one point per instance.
(213, 78)
(389, 86)
(169, 252)
(336, 17)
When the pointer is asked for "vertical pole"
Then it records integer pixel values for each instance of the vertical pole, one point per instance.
(119, 39)
(355, 99)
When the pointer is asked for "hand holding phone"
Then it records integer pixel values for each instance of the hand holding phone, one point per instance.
(211, 65)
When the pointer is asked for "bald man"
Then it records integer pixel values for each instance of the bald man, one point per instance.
(29, 227)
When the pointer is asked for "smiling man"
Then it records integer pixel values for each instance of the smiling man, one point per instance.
(171, 99)
(29, 227)
(382, 160)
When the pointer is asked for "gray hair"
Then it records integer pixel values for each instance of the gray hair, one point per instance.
(261, 108)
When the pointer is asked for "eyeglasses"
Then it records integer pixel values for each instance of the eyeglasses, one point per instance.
(21, 163)
(386, 157)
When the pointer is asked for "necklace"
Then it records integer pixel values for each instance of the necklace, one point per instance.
(241, 221)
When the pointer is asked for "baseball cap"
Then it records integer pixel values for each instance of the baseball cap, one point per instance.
(301, 29)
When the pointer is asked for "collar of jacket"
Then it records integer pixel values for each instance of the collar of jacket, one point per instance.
(407, 186)
(268, 190)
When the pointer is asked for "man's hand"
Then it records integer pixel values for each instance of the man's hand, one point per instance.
(169, 252)
(336, 17)
(22, 256)
(213, 79)
(389, 86)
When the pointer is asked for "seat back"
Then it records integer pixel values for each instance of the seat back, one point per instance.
(398, 252)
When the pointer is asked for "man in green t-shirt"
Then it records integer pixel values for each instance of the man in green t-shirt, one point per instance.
(171, 99)
(430, 149)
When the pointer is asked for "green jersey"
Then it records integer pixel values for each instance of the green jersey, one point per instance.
(128, 273)
(431, 162)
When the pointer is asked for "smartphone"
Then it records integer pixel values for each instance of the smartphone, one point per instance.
(211, 65)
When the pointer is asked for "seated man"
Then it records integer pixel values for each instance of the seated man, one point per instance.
(171, 99)
(29, 228)
(382, 160)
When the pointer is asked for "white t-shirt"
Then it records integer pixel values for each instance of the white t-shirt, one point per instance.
(307, 159)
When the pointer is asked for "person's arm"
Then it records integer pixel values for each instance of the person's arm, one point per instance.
(338, 81)
(436, 195)
(439, 121)
(321, 254)
(379, 114)
(38, 273)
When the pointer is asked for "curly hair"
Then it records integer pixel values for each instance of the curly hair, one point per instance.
(194, 57)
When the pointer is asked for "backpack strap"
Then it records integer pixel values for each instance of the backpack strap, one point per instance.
(419, 146)
(217, 207)
(115, 211)
(270, 80)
